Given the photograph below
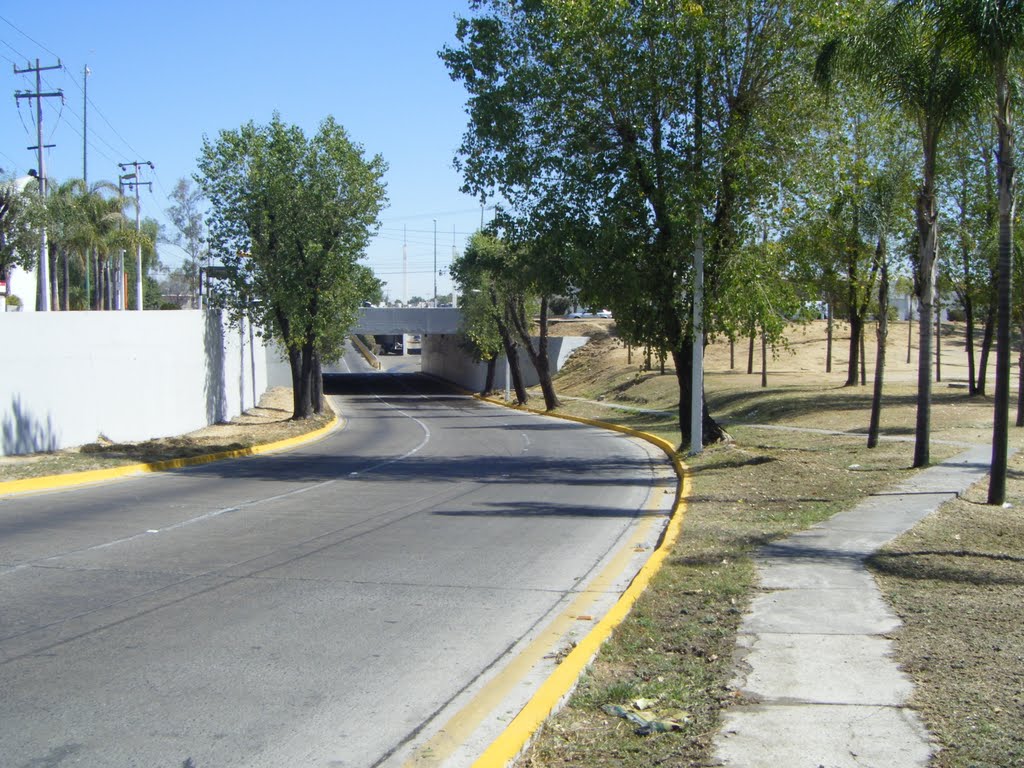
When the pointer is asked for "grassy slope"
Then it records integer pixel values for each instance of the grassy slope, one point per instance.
(676, 647)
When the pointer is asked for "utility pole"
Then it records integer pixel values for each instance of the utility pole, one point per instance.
(85, 128)
(85, 174)
(435, 263)
(131, 180)
(44, 256)
(451, 282)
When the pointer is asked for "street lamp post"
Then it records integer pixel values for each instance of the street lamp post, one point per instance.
(435, 263)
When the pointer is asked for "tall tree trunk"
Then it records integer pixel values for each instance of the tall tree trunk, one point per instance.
(938, 337)
(66, 280)
(538, 357)
(96, 290)
(295, 366)
(317, 385)
(511, 351)
(928, 231)
(828, 337)
(856, 330)
(967, 296)
(1020, 380)
(515, 372)
(732, 353)
(882, 333)
(972, 381)
(87, 257)
(910, 326)
(713, 432)
(304, 386)
(54, 257)
(863, 358)
(492, 364)
(1004, 287)
(987, 340)
(750, 352)
(764, 359)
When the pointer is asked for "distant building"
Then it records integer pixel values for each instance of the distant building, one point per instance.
(907, 307)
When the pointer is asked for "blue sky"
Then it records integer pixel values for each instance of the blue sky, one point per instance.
(163, 75)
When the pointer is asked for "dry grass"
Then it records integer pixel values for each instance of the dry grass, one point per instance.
(676, 647)
(957, 582)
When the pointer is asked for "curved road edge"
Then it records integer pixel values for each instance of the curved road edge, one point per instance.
(560, 683)
(88, 477)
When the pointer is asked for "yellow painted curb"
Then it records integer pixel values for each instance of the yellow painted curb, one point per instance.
(53, 482)
(552, 691)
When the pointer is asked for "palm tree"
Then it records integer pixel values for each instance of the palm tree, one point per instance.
(105, 231)
(988, 34)
(64, 212)
(901, 54)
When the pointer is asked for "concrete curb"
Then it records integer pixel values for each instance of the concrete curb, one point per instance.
(71, 479)
(554, 690)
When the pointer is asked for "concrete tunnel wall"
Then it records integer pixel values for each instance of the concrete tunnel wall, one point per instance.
(68, 377)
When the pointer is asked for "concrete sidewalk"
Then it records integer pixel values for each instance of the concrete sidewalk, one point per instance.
(815, 658)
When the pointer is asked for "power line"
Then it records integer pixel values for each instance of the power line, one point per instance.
(9, 23)
(39, 95)
(75, 129)
(110, 146)
(16, 51)
(4, 154)
(90, 102)
(439, 214)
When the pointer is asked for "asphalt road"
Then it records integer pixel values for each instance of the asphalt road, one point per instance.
(323, 607)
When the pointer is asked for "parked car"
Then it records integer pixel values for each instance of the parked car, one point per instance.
(577, 315)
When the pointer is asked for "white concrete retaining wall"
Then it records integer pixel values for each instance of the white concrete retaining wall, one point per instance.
(68, 377)
(444, 358)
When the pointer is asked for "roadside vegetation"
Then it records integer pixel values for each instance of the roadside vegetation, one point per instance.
(798, 455)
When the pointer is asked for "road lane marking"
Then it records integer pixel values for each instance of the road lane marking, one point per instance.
(225, 510)
(455, 732)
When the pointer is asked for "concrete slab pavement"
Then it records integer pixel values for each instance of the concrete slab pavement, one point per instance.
(815, 664)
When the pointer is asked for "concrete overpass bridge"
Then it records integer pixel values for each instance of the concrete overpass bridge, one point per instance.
(440, 352)
(424, 322)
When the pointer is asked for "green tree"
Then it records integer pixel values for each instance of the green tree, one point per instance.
(631, 130)
(990, 34)
(970, 235)
(289, 217)
(486, 272)
(900, 54)
(19, 237)
(151, 234)
(186, 215)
